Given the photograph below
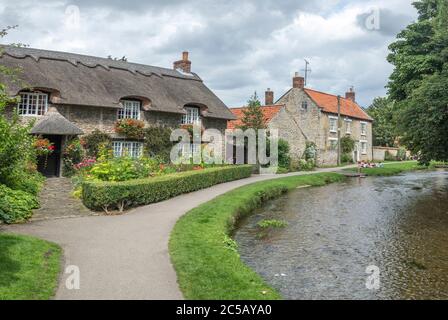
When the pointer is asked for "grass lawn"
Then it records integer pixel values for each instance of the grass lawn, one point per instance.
(391, 168)
(29, 268)
(206, 259)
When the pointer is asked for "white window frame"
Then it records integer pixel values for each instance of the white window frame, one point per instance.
(361, 143)
(348, 126)
(30, 104)
(363, 128)
(131, 110)
(332, 140)
(333, 129)
(192, 116)
(133, 149)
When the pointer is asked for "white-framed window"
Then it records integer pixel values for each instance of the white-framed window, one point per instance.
(130, 110)
(348, 126)
(191, 116)
(333, 143)
(32, 104)
(363, 144)
(363, 128)
(190, 149)
(333, 124)
(131, 149)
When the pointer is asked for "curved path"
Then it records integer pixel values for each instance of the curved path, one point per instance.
(126, 256)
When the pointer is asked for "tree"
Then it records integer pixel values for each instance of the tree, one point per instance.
(253, 117)
(418, 86)
(382, 111)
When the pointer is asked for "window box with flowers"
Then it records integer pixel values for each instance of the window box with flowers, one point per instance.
(131, 128)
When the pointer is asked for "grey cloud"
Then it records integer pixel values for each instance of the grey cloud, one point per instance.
(390, 22)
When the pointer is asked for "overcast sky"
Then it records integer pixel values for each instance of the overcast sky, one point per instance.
(235, 46)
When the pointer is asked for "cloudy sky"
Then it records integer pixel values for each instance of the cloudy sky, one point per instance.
(236, 46)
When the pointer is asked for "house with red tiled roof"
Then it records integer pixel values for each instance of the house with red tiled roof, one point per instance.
(304, 115)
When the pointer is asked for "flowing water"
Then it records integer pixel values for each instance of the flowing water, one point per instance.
(398, 224)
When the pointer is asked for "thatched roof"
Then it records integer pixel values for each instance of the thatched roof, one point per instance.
(92, 81)
(55, 123)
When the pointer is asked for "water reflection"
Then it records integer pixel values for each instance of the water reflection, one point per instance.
(399, 224)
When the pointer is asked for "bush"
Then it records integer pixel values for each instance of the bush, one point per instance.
(401, 154)
(73, 154)
(94, 141)
(157, 142)
(284, 159)
(346, 158)
(16, 205)
(347, 145)
(19, 179)
(121, 195)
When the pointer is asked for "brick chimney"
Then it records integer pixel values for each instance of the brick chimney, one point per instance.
(184, 65)
(350, 95)
(298, 81)
(269, 97)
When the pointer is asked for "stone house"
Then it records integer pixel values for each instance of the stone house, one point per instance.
(70, 94)
(303, 115)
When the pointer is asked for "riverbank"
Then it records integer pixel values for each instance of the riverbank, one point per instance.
(29, 268)
(391, 168)
(204, 256)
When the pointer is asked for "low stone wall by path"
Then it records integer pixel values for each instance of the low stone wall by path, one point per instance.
(57, 202)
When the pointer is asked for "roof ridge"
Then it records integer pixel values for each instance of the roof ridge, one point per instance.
(91, 61)
(265, 106)
(329, 94)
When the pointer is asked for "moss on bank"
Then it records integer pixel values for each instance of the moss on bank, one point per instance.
(207, 266)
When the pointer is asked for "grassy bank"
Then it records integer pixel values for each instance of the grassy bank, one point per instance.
(206, 259)
(29, 268)
(391, 168)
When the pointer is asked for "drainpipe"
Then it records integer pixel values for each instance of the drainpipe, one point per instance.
(339, 130)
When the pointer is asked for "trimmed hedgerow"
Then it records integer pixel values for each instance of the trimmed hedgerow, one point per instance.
(16, 205)
(120, 195)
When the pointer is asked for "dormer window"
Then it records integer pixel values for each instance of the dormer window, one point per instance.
(191, 116)
(130, 110)
(32, 104)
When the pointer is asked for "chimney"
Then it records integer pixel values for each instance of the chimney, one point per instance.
(269, 97)
(350, 95)
(183, 65)
(298, 81)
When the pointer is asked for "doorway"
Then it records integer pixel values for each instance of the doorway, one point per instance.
(50, 166)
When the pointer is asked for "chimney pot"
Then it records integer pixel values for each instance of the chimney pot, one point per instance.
(185, 56)
(298, 82)
(269, 97)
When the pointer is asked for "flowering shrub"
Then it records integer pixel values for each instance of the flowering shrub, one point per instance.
(131, 128)
(85, 164)
(43, 147)
(72, 155)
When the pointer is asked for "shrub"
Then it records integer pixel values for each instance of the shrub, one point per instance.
(120, 195)
(93, 142)
(16, 205)
(347, 145)
(21, 179)
(346, 158)
(73, 154)
(284, 159)
(157, 142)
(401, 154)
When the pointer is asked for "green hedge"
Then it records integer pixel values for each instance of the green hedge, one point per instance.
(15, 205)
(120, 195)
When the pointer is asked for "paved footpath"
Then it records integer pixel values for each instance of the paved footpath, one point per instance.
(126, 256)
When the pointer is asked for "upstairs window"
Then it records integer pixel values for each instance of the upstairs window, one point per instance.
(348, 126)
(304, 105)
(130, 110)
(333, 124)
(363, 128)
(192, 116)
(32, 104)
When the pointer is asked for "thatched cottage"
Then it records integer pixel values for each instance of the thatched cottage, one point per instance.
(71, 94)
(304, 115)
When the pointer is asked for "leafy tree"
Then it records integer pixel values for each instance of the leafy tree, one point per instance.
(253, 116)
(382, 111)
(418, 85)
